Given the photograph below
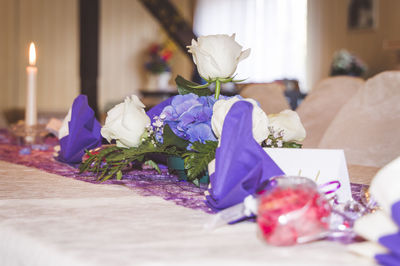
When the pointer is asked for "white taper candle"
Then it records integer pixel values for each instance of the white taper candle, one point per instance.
(31, 73)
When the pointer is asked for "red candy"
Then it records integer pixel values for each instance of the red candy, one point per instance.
(291, 209)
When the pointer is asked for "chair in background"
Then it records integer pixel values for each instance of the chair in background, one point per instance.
(270, 96)
(368, 126)
(322, 104)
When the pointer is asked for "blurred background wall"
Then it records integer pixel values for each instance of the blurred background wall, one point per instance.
(53, 26)
(328, 32)
(127, 29)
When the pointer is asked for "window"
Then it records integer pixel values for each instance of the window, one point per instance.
(275, 30)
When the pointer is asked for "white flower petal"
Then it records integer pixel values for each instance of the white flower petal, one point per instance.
(259, 118)
(126, 123)
(375, 225)
(217, 56)
(387, 177)
(289, 122)
(244, 55)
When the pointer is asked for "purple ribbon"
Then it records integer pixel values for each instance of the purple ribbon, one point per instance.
(338, 185)
(241, 163)
(391, 242)
(331, 191)
(84, 132)
(156, 110)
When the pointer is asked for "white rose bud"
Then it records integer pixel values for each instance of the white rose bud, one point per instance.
(126, 122)
(289, 122)
(259, 118)
(217, 56)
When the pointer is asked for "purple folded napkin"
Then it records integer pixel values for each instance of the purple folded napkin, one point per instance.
(156, 110)
(391, 242)
(84, 132)
(241, 164)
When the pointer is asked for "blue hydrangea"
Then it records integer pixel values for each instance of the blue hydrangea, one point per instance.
(189, 117)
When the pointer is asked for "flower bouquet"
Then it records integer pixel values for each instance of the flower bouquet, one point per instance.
(222, 136)
(346, 63)
(189, 125)
(159, 57)
(158, 65)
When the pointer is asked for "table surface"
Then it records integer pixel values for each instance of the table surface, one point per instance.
(46, 219)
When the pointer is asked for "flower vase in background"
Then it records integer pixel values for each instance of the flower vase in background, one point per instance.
(158, 66)
(158, 82)
(163, 80)
(347, 64)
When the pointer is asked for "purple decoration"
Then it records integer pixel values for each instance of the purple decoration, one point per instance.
(42, 147)
(396, 213)
(84, 132)
(143, 182)
(156, 110)
(391, 242)
(25, 151)
(357, 192)
(241, 163)
(388, 259)
(189, 117)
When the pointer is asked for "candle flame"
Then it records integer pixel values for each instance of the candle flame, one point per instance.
(32, 54)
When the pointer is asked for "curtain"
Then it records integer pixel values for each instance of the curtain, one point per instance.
(275, 30)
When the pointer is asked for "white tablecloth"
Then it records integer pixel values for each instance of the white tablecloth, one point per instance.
(47, 219)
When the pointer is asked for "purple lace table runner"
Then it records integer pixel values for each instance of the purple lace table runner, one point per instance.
(144, 182)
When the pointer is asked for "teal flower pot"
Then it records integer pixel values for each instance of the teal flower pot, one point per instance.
(176, 166)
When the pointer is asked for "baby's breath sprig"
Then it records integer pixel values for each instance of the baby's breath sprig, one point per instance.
(275, 140)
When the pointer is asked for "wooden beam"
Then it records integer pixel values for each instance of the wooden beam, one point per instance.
(175, 25)
(172, 21)
(89, 50)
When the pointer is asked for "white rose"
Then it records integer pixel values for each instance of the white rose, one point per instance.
(126, 122)
(217, 56)
(259, 118)
(289, 122)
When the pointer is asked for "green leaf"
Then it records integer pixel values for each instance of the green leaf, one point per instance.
(197, 160)
(196, 182)
(170, 139)
(152, 164)
(186, 87)
(119, 175)
(292, 145)
(109, 161)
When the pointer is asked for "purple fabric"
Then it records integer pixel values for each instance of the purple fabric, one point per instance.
(396, 213)
(146, 182)
(143, 182)
(84, 132)
(156, 110)
(388, 259)
(391, 242)
(358, 191)
(241, 163)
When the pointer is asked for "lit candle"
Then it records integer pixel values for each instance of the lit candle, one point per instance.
(31, 73)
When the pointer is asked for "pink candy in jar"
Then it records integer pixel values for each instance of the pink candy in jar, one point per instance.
(292, 210)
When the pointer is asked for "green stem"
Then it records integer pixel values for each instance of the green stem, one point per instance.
(217, 88)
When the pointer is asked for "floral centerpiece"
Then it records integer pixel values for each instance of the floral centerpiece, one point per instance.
(346, 63)
(190, 124)
(158, 64)
(159, 56)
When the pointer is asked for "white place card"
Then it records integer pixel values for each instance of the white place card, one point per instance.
(320, 165)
